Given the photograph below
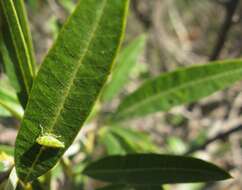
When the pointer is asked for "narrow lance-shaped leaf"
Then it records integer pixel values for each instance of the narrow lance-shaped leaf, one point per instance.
(125, 63)
(23, 20)
(17, 48)
(116, 187)
(148, 187)
(128, 187)
(151, 187)
(179, 87)
(69, 82)
(154, 169)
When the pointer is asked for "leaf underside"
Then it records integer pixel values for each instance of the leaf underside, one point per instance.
(154, 169)
(69, 82)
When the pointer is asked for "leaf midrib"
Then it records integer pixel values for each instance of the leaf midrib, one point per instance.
(119, 171)
(156, 96)
(66, 92)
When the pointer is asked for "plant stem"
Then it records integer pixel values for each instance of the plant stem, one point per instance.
(220, 136)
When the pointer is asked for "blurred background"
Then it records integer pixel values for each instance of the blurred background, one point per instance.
(178, 33)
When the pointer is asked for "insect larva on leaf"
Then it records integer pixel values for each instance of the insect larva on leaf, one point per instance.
(49, 140)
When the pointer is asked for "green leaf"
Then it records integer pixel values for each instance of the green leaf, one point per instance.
(111, 143)
(138, 141)
(17, 48)
(127, 187)
(126, 145)
(8, 100)
(151, 187)
(179, 87)
(116, 187)
(23, 20)
(69, 82)
(7, 110)
(154, 169)
(8, 65)
(126, 61)
(120, 140)
(4, 113)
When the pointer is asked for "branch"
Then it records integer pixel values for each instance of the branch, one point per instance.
(230, 11)
(220, 136)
